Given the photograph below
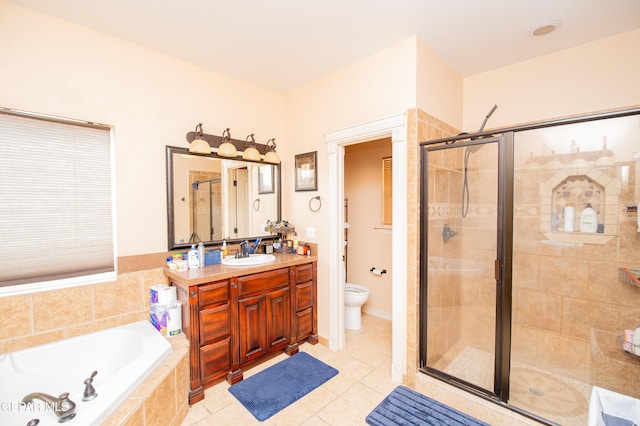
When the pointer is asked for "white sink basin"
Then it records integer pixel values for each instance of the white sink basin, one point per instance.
(252, 260)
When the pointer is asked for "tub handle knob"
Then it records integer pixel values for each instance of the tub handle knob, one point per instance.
(89, 390)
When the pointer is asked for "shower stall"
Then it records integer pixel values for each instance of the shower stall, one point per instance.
(205, 210)
(516, 305)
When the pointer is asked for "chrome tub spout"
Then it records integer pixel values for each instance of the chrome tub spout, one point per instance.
(63, 407)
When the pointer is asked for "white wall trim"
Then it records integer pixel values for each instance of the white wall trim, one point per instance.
(395, 127)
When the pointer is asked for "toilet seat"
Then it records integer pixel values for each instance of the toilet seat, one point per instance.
(355, 289)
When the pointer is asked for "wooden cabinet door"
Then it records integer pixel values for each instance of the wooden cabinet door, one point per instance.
(252, 327)
(215, 359)
(278, 318)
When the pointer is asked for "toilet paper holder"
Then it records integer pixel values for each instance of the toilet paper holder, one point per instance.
(377, 271)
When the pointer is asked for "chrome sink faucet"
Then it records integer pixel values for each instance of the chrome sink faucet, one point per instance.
(63, 407)
(244, 250)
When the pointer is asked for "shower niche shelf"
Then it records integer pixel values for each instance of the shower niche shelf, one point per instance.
(579, 186)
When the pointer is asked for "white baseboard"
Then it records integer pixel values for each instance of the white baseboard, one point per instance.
(377, 313)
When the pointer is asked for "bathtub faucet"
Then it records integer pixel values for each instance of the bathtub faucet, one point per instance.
(63, 407)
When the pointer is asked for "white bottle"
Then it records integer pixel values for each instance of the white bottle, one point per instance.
(569, 212)
(201, 254)
(636, 341)
(192, 258)
(588, 219)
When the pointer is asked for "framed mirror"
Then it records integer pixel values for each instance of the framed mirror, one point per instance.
(210, 198)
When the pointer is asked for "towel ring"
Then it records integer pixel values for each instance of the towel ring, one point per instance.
(317, 197)
(256, 204)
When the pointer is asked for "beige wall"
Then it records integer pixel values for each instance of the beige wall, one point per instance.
(439, 87)
(380, 86)
(592, 77)
(368, 245)
(55, 67)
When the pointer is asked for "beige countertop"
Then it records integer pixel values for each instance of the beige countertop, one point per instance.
(220, 272)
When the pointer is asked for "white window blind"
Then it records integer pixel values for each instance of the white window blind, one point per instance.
(387, 191)
(56, 210)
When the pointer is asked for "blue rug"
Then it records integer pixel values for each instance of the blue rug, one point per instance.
(405, 406)
(269, 391)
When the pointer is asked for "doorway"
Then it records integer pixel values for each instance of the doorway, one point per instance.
(394, 127)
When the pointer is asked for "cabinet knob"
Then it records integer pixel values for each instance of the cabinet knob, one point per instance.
(234, 284)
(193, 293)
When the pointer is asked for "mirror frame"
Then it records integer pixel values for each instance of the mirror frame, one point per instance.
(170, 150)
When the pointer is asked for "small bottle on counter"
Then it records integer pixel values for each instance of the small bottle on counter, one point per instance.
(201, 254)
(192, 258)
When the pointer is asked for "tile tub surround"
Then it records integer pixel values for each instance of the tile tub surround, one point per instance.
(28, 321)
(43, 317)
(162, 399)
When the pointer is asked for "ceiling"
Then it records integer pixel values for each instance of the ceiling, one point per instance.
(283, 44)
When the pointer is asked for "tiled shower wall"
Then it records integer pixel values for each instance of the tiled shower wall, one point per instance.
(569, 305)
(420, 127)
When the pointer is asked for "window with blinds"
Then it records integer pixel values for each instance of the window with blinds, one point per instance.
(56, 208)
(387, 191)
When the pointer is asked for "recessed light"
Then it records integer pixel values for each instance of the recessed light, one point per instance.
(544, 28)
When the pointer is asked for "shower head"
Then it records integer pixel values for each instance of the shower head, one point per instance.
(474, 148)
(487, 117)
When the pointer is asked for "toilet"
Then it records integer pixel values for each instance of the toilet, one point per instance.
(354, 297)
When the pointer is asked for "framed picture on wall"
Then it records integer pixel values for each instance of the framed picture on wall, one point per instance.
(265, 179)
(306, 171)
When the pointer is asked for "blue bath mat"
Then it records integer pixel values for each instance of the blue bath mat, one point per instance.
(405, 406)
(269, 391)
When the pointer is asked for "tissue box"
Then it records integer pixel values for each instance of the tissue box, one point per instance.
(212, 257)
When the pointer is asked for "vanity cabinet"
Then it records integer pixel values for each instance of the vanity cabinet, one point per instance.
(306, 313)
(214, 327)
(235, 322)
(264, 313)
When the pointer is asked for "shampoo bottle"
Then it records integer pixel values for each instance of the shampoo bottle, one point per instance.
(588, 219)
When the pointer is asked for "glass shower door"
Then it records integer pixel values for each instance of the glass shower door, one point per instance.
(461, 287)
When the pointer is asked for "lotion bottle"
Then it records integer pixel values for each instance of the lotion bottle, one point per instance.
(192, 258)
(588, 219)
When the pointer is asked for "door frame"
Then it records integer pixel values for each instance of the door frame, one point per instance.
(396, 128)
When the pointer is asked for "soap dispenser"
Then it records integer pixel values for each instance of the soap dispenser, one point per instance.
(192, 258)
(588, 219)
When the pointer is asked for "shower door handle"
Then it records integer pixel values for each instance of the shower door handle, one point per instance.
(497, 269)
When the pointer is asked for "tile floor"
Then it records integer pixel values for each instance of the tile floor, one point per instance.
(364, 379)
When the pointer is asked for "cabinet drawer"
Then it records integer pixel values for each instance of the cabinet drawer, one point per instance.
(304, 273)
(217, 292)
(263, 281)
(305, 323)
(215, 359)
(304, 295)
(215, 323)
